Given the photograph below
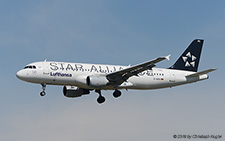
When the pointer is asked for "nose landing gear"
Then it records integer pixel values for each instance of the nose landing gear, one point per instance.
(43, 93)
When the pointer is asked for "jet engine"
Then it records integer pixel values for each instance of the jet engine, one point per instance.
(96, 81)
(72, 91)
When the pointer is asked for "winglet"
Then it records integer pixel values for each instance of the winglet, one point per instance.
(168, 57)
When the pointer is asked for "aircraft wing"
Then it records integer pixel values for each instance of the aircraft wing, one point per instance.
(118, 77)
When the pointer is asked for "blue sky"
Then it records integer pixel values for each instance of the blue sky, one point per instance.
(110, 32)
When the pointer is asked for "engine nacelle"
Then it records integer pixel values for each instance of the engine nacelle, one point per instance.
(72, 91)
(96, 81)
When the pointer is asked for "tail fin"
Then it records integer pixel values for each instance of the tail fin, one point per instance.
(190, 58)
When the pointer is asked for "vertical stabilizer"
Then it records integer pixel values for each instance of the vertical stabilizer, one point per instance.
(190, 58)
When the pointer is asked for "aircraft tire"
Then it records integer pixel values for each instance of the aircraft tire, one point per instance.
(42, 93)
(101, 99)
(117, 93)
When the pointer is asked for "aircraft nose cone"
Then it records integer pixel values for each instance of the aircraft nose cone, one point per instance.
(20, 74)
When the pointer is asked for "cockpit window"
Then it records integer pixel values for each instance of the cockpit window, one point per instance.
(30, 67)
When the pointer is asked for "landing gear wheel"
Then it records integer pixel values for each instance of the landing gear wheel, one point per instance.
(117, 93)
(43, 93)
(43, 89)
(101, 99)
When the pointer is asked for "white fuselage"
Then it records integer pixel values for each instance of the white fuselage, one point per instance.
(75, 74)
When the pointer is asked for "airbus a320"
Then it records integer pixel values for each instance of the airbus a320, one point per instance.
(79, 79)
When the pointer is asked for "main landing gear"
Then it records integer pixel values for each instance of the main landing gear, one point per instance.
(101, 99)
(43, 93)
(117, 93)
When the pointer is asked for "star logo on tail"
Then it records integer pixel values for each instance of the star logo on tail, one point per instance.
(189, 60)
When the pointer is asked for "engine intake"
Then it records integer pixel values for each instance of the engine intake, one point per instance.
(96, 81)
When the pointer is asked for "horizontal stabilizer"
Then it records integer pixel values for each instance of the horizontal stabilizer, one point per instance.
(200, 73)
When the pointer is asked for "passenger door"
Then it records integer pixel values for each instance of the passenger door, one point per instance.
(172, 76)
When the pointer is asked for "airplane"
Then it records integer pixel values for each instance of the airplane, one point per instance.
(79, 79)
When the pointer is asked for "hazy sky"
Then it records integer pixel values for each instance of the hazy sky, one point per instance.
(118, 32)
